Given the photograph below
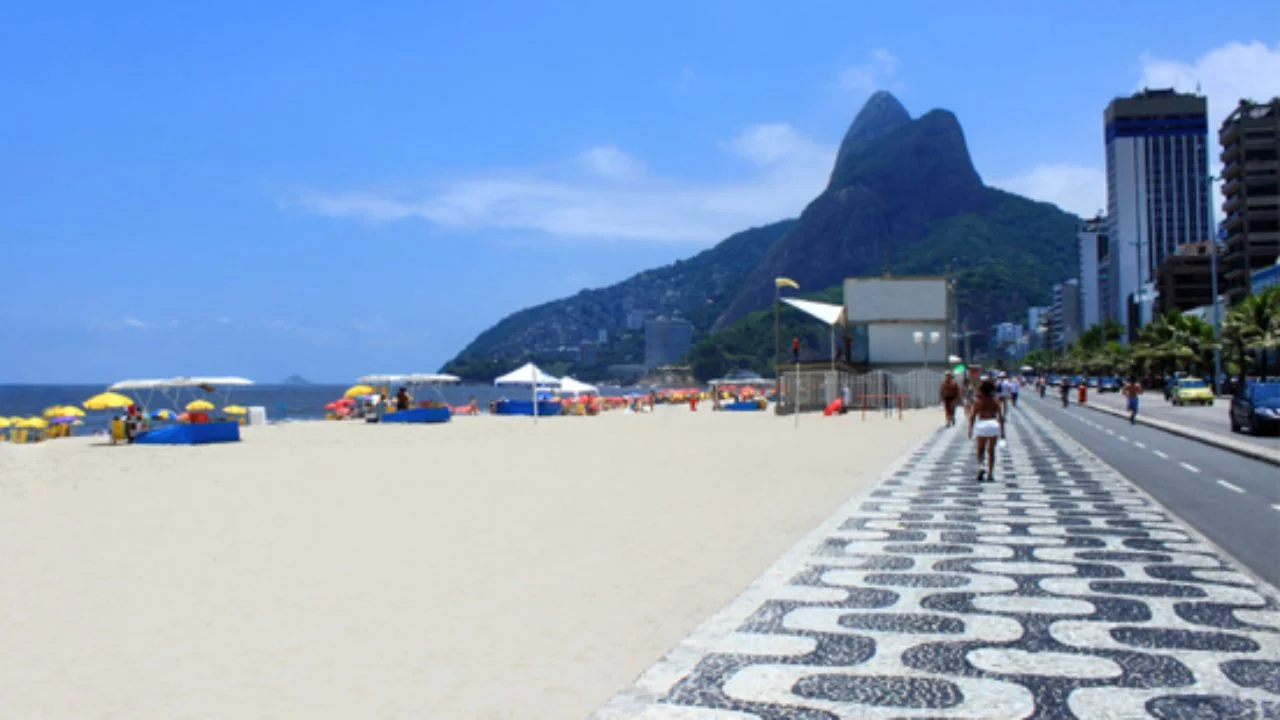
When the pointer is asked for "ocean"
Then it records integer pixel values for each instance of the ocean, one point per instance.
(283, 402)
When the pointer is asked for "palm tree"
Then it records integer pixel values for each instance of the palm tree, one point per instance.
(1252, 330)
(1176, 342)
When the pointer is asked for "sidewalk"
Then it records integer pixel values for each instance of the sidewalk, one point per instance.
(1059, 590)
(1196, 423)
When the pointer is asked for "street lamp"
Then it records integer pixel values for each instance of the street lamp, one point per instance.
(933, 339)
(1213, 272)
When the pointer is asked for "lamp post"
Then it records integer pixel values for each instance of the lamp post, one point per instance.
(924, 342)
(778, 284)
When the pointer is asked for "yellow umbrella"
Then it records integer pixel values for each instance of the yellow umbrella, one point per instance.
(4, 422)
(198, 405)
(71, 411)
(107, 401)
(357, 390)
(34, 422)
(234, 410)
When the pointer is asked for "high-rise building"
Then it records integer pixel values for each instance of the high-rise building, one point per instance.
(1185, 281)
(1094, 305)
(1064, 316)
(1250, 139)
(1157, 192)
(666, 341)
(1038, 326)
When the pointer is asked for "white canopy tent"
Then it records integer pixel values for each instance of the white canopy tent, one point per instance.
(172, 388)
(527, 374)
(532, 376)
(571, 386)
(828, 313)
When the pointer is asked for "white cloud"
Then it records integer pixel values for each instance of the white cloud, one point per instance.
(607, 195)
(870, 76)
(134, 323)
(1075, 188)
(609, 162)
(1224, 75)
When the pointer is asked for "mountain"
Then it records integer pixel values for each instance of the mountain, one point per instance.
(903, 198)
(698, 289)
(295, 379)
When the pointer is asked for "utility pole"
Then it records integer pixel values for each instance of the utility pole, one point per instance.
(1213, 271)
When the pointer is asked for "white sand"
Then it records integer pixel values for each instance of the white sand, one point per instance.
(484, 569)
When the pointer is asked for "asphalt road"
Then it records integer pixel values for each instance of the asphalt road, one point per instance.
(1209, 418)
(1233, 500)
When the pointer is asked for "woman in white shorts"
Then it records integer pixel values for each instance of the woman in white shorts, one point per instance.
(986, 426)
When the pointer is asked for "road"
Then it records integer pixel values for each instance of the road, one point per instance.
(1212, 419)
(1233, 500)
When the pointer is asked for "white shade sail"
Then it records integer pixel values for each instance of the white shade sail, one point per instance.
(571, 386)
(528, 374)
(826, 312)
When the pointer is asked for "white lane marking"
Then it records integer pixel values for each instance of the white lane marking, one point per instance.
(1160, 454)
(1229, 486)
(1276, 507)
(1138, 444)
(1122, 438)
(1110, 431)
(1190, 467)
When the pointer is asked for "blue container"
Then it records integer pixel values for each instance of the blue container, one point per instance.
(525, 407)
(419, 415)
(193, 434)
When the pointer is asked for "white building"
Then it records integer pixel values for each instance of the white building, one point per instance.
(1094, 304)
(1157, 191)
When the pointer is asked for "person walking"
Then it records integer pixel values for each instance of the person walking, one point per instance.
(1132, 391)
(949, 393)
(1015, 385)
(1005, 391)
(1066, 390)
(986, 428)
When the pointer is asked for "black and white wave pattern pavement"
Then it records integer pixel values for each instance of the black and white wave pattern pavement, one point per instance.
(1058, 591)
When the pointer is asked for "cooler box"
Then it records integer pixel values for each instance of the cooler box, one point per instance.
(257, 415)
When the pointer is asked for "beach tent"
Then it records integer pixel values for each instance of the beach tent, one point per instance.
(570, 386)
(828, 313)
(527, 374)
(532, 376)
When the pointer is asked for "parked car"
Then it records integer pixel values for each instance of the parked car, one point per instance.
(1093, 382)
(1108, 384)
(1257, 407)
(1192, 391)
(1055, 380)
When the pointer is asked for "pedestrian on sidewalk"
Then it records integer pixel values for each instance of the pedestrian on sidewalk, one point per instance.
(1132, 391)
(949, 393)
(986, 427)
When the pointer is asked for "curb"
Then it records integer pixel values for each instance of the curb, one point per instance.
(1221, 442)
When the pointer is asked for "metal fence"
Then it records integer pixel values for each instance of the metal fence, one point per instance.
(880, 389)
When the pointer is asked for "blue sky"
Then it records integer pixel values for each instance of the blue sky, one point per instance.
(335, 190)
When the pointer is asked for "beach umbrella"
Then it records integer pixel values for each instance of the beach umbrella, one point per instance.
(234, 410)
(358, 390)
(72, 411)
(107, 401)
(35, 423)
(162, 415)
(4, 422)
(199, 405)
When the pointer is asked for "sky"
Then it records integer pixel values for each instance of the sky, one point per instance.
(330, 189)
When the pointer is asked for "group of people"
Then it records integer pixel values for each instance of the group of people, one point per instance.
(986, 401)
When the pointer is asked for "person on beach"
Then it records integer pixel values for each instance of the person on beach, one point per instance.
(1132, 391)
(949, 393)
(1004, 390)
(1066, 390)
(986, 427)
(402, 400)
(1015, 385)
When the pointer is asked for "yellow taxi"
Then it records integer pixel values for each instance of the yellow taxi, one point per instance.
(1192, 391)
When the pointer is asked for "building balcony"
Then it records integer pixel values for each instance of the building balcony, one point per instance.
(1230, 152)
(1232, 169)
(1233, 203)
(1232, 184)
(1229, 133)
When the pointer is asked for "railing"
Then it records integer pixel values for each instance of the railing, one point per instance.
(818, 388)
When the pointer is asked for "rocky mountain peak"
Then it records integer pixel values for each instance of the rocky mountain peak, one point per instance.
(879, 116)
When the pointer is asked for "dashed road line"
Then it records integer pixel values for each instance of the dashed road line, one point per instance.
(1110, 431)
(1276, 507)
(1138, 444)
(1229, 486)
(1190, 467)
(1122, 438)
(1160, 454)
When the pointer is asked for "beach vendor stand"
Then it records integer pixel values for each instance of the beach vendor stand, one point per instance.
(425, 412)
(750, 393)
(540, 385)
(197, 431)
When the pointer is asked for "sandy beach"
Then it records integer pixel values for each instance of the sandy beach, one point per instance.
(489, 568)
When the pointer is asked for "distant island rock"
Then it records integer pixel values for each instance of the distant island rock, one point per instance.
(296, 380)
